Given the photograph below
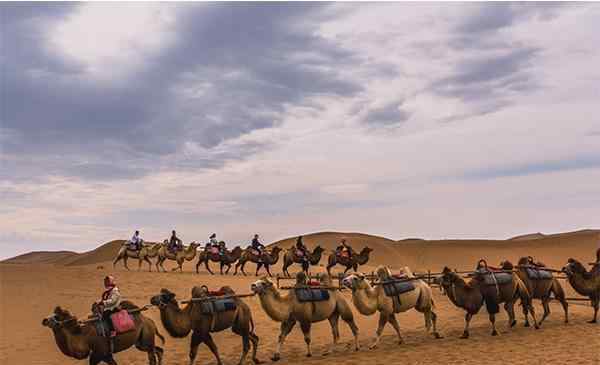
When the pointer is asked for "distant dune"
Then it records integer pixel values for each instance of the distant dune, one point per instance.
(417, 253)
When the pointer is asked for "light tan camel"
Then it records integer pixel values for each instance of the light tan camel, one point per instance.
(187, 254)
(288, 310)
(267, 259)
(180, 321)
(147, 252)
(81, 341)
(539, 288)
(472, 295)
(368, 300)
(290, 257)
(585, 283)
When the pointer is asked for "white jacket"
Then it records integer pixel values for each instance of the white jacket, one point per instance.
(113, 300)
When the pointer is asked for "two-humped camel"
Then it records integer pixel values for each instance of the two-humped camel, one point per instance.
(288, 310)
(187, 254)
(147, 252)
(368, 300)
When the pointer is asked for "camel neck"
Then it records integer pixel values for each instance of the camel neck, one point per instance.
(71, 344)
(177, 321)
(365, 299)
(582, 285)
(276, 306)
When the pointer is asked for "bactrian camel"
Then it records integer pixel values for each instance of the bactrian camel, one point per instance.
(81, 341)
(288, 310)
(147, 252)
(349, 262)
(470, 296)
(179, 322)
(585, 283)
(227, 259)
(368, 300)
(267, 259)
(187, 254)
(291, 257)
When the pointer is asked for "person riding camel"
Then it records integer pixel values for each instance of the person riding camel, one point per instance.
(301, 248)
(344, 247)
(257, 245)
(110, 302)
(222, 248)
(136, 241)
(175, 244)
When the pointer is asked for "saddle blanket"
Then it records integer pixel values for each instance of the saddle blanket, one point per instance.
(311, 295)
(493, 278)
(535, 274)
(217, 306)
(393, 289)
(122, 321)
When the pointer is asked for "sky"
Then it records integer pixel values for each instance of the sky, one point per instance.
(451, 120)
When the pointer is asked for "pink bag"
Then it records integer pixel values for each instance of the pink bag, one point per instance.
(122, 321)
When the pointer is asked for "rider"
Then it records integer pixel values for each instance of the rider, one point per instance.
(300, 247)
(257, 245)
(136, 241)
(175, 244)
(111, 299)
(344, 246)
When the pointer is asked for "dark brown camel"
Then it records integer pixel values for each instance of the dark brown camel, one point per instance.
(267, 259)
(539, 287)
(585, 283)
(81, 340)
(291, 257)
(349, 262)
(472, 295)
(180, 321)
(227, 259)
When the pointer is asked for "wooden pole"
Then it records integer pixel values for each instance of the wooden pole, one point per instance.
(208, 299)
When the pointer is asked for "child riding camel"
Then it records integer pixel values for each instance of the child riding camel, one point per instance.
(110, 302)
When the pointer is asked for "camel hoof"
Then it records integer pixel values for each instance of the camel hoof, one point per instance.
(526, 324)
(308, 355)
(276, 357)
(537, 327)
(495, 333)
(513, 323)
(372, 347)
(465, 335)
(257, 361)
(437, 336)
(593, 321)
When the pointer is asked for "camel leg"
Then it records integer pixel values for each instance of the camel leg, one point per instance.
(207, 266)
(433, 316)
(213, 347)
(149, 263)
(595, 304)
(228, 268)
(335, 331)
(286, 328)
(383, 318)
(248, 339)
(258, 266)
(349, 319)
(140, 259)
(268, 270)
(394, 322)
(532, 311)
(221, 267)
(242, 268)
(545, 301)
(195, 342)
(305, 326)
(509, 307)
(329, 269)
(525, 314)
(347, 268)
(254, 342)
(493, 321)
(159, 354)
(468, 318)
(117, 259)
(125, 262)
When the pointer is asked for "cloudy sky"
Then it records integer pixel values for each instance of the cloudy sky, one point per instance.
(403, 120)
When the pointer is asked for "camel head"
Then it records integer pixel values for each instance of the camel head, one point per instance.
(383, 272)
(366, 250)
(447, 278)
(354, 281)
(163, 299)
(59, 319)
(261, 286)
(573, 267)
(507, 265)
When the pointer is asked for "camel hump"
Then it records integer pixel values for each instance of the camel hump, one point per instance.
(128, 305)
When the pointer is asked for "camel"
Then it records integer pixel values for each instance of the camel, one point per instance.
(350, 263)
(179, 322)
(368, 300)
(472, 295)
(290, 257)
(147, 252)
(539, 288)
(81, 340)
(267, 260)
(584, 282)
(288, 310)
(187, 254)
(226, 260)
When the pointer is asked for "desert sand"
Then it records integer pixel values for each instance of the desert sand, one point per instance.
(31, 285)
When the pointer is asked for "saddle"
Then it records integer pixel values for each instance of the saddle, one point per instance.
(216, 304)
(395, 288)
(493, 277)
(538, 274)
(122, 322)
(308, 294)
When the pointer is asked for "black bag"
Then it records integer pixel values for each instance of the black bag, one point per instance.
(311, 294)
(217, 306)
(395, 288)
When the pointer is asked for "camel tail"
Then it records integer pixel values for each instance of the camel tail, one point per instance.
(522, 290)
(557, 289)
(162, 338)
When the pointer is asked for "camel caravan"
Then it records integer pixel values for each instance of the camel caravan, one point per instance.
(116, 325)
